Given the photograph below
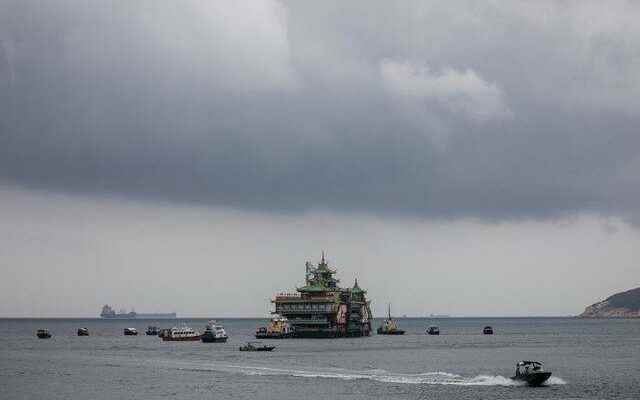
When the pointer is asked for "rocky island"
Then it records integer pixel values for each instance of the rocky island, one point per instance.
(620, 305)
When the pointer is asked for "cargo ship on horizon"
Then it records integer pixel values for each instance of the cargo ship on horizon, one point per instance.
(110, 313)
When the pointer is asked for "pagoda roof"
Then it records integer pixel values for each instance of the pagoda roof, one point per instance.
(315, 288)
(356, 288)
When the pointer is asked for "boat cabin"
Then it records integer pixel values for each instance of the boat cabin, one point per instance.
(527, 367)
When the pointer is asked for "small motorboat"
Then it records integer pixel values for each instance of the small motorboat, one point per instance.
(261, 333)
(163, 332)
(43, 334)
(433, 330)
(214, 333)
(531, 372)
(83, 332)
(182, 334)
(487, 330)
(130, 332)
(253, 346)
(151, 331)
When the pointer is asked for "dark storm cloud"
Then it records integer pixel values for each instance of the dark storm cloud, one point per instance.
(428, 108)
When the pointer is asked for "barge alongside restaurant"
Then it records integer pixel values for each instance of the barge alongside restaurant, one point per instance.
(322, 309)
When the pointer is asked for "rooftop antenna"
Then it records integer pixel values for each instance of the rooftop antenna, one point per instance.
(323, 262)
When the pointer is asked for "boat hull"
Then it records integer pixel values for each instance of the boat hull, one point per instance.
(182, 339)
(395, 332)
(534, 378)
(327, 334)
(213, 339)
(273, 335)
(262, 348)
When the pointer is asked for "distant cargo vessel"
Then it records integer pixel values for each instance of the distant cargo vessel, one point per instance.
(109, 313)
(323, 309)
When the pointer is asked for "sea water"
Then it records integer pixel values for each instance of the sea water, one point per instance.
(590, 359)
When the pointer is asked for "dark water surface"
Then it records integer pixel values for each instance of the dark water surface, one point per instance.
(590, 359)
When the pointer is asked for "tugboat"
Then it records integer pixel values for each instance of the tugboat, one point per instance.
(389, 326)
(214, 333)
(83, 332)
(531, 372)
(487, 330)
(151, 331)
(278, 328)
(251, 346)
(43, 334)
(183, 334)
(433, 330)
(130, 332)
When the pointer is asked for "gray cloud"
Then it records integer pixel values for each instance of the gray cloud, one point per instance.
(500, 110)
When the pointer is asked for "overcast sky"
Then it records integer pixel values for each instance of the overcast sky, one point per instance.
(456, 157)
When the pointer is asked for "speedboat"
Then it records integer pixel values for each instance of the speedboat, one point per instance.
(130, 332)
(151, 331)
(83, 332)
(253, 346)
(531, 372)
(487, 330)
(43, 334)
(182, 334)
(214, 333)
(433, 330)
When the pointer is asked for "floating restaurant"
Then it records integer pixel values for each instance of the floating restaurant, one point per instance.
(322, 309)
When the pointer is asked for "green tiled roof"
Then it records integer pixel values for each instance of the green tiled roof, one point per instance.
(356, 288)
(313, 288)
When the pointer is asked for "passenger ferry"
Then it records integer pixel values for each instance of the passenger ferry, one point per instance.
(182, 334)
(214, 333)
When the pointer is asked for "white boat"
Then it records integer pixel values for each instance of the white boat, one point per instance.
(130, 332)
(182, 334)
(214, 333)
